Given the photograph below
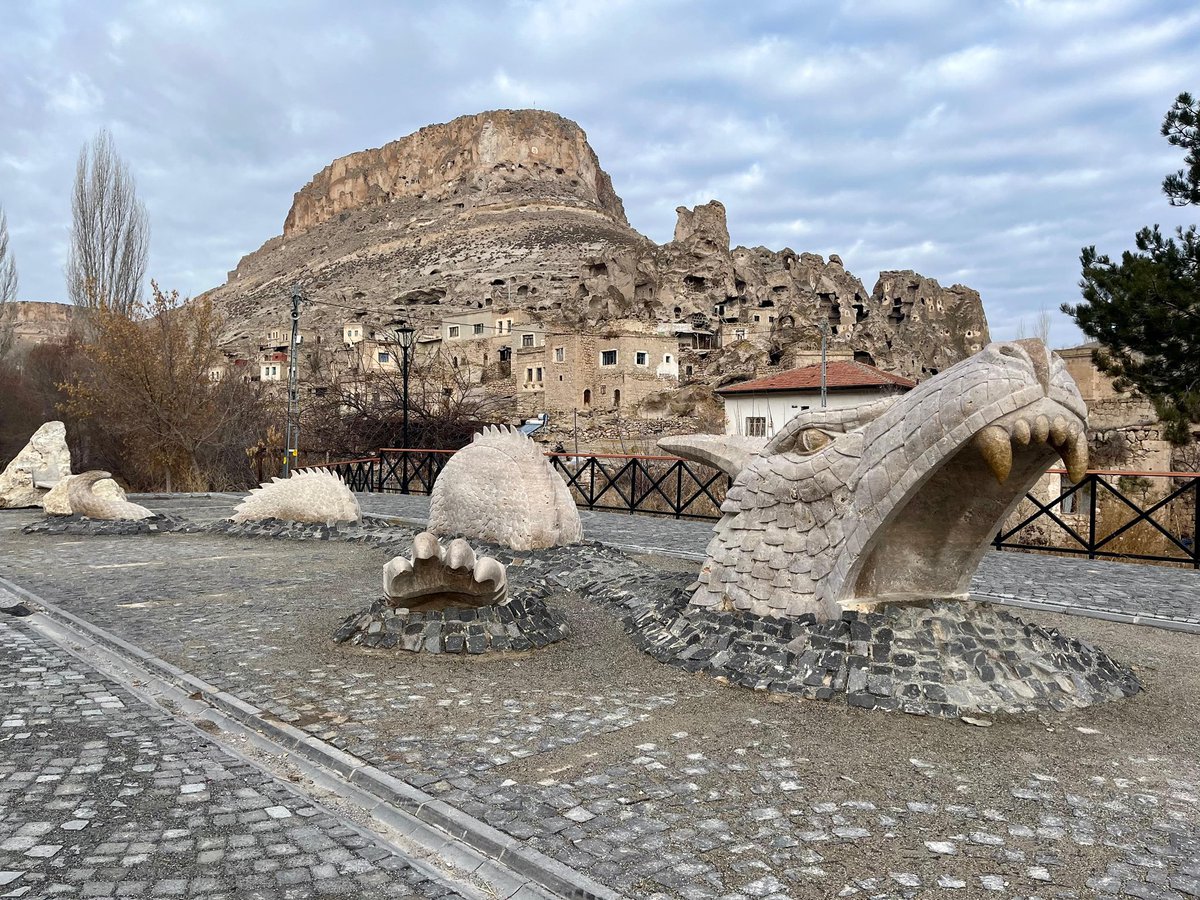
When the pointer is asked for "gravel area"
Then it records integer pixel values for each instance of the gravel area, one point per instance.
(662, 783)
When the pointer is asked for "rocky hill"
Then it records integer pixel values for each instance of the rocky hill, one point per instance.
(34, 322)
(511, 209)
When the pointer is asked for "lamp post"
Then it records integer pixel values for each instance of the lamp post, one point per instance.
(824, 340)
(405, 334)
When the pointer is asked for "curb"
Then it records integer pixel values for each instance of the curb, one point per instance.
(1090, 612)
(399, 797)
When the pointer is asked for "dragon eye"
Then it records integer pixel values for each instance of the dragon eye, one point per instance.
(814, 439)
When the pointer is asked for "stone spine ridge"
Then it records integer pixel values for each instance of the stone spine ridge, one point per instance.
(310, 495)
(501, 489)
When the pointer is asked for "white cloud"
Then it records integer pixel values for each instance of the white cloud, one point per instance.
(75, 95)
(982, 143)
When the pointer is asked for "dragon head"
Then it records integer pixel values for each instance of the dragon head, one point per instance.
(894, 501)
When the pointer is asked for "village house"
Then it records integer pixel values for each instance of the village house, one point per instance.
(759, 408)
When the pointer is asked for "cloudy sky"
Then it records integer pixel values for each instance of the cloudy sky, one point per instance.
(976, 141)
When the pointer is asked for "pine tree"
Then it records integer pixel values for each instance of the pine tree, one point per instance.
(1145, 310)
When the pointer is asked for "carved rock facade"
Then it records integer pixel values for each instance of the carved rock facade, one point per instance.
(511, 210)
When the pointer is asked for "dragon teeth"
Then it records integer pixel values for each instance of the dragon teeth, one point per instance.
(996, 443)
(993, 443)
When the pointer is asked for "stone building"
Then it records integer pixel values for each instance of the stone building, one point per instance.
(596, 370)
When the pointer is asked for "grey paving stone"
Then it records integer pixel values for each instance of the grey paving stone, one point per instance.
(95, 805)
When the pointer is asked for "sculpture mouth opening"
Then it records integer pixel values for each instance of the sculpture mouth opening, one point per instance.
(931, 541)
(449, 577)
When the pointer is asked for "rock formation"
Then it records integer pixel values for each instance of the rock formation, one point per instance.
(501, 489)
(510, 209)
(41, 463)
(57, 501)
(310, 495)
(892, 502)
(84, 502)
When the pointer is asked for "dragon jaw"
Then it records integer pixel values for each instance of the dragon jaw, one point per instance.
(896, 501)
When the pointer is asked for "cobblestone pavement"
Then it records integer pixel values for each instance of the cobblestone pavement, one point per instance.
(663, 784)
(103, 796)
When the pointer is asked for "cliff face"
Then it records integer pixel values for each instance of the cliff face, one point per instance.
(34, 322)
(510, 209)
(486, 160)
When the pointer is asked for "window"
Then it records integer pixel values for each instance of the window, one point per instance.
(528, 375)
(608, 357)
(740, 334)
(756, 426)
(527, 340)
(587, 397)
(617, 397)
(667, 358)
(603, 389)
(384, 356)
(479, 328)
(539, 374)
(560, 354)
(756, 318)
(453, 331)
(1078, 502)
(641, 358)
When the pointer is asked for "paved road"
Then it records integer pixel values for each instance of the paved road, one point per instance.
(1124, 591)
(656, 782)
(104, 796)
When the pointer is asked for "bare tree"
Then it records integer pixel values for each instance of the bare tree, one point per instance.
(8, 288)
(110, 233)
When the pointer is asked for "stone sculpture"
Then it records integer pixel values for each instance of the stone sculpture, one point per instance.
(448, 600)
(310, 495)
(42, 462)
(438, 577)
(891, 502)
(84, 502)
(56, 501)
(501, 489)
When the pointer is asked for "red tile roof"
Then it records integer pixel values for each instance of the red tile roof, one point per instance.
(840, 374)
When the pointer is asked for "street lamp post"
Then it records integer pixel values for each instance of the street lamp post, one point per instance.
(824, 368)
(405, 334)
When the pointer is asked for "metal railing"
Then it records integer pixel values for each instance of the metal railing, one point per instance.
(658, 485)
(1095, 518)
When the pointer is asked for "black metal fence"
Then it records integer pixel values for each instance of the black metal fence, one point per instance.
(1100, 517)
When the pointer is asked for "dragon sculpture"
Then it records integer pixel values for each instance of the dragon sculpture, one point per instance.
(500, 489)
(310, 495)
(85, 502)
(895, 501)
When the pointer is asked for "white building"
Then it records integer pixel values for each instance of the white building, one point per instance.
(759, 408)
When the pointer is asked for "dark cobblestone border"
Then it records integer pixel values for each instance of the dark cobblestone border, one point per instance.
(948, 659)
(515, 625)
